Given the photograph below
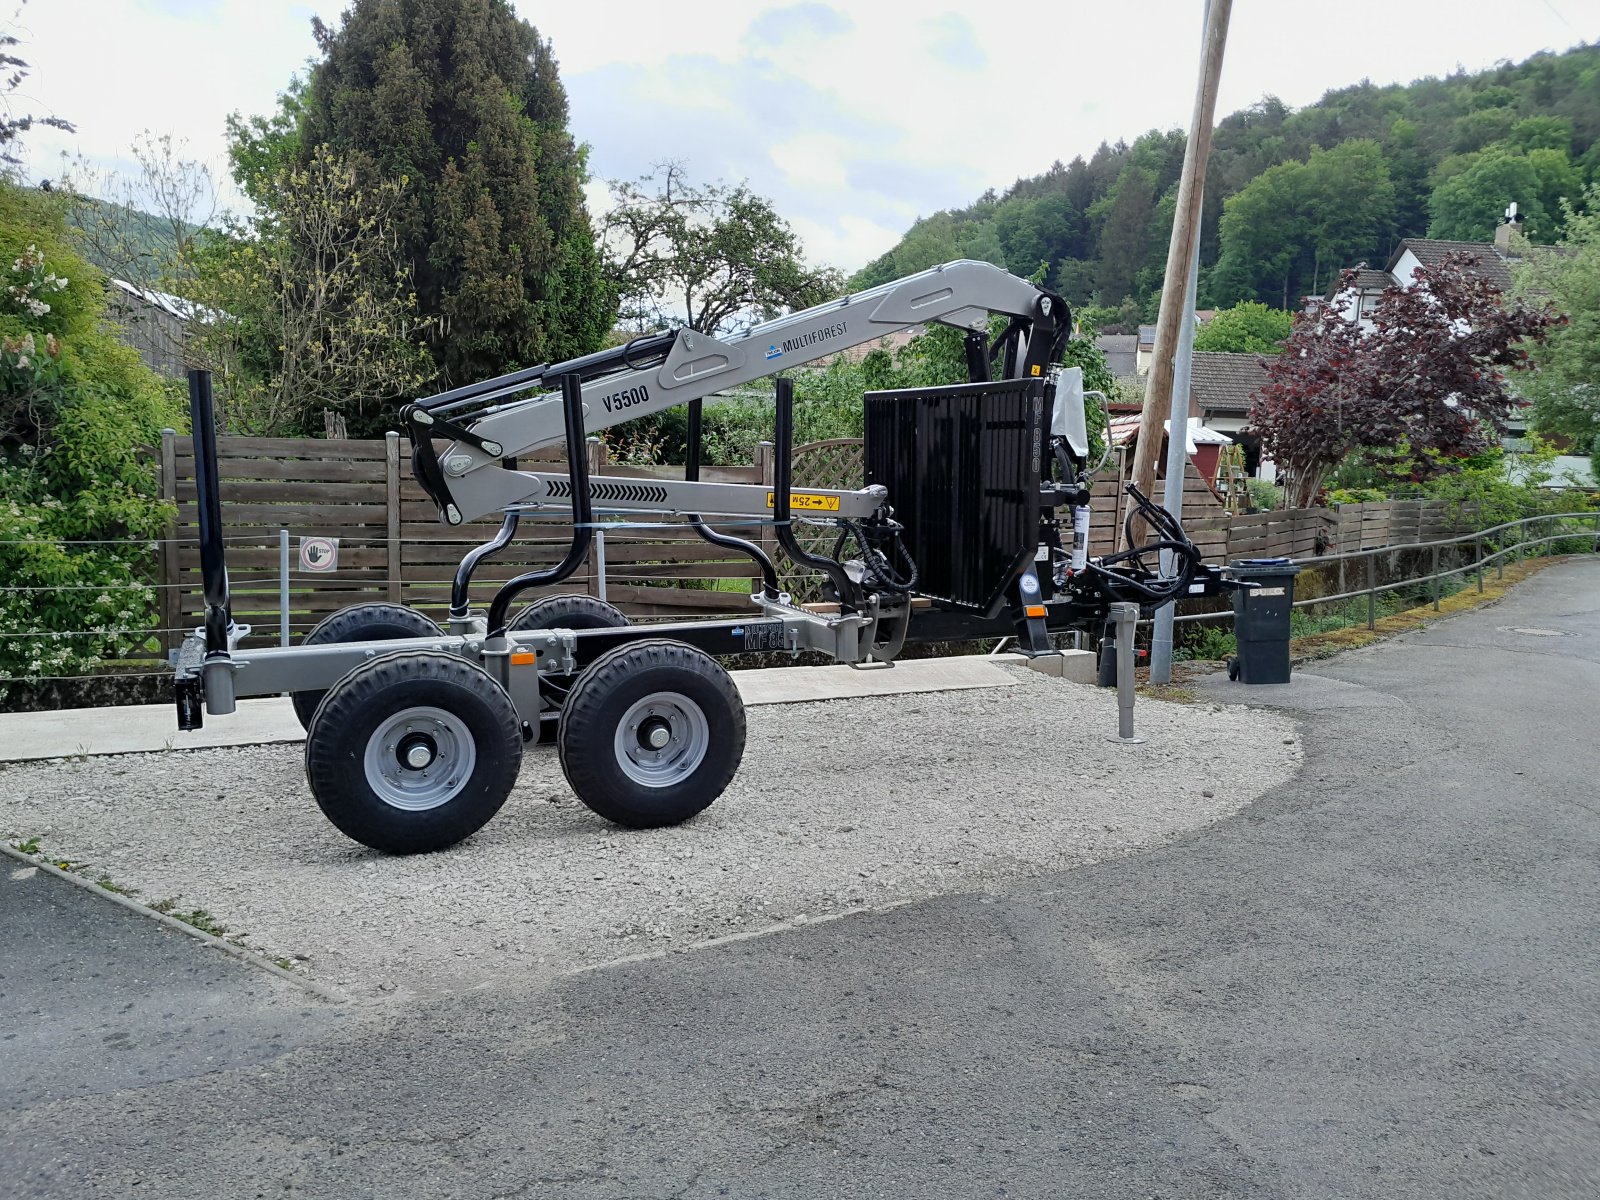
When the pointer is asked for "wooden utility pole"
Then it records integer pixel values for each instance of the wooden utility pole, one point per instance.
(1180, 253)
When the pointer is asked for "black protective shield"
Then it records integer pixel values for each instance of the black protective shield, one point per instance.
(962, 467)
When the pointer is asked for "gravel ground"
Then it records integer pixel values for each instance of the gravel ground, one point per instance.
(839, 806)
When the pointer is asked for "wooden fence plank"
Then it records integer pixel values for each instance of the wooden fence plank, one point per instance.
(170, 599)
(391, 461)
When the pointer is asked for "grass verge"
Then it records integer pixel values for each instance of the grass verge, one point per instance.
(1324, 644)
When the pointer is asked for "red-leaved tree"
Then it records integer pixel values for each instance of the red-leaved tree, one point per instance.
(1424, 387)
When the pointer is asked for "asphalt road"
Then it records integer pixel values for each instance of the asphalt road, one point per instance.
(1381, 980)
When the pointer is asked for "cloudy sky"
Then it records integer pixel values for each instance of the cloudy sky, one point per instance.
(855, 117)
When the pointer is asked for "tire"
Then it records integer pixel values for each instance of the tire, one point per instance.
(569, 612)
(376, 622)
(655, 688)
(565, 612)
(423, 702)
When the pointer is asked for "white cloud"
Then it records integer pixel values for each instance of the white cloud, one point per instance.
(854, 118)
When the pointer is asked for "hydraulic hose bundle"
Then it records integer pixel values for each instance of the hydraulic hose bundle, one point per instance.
(1140, 584)
(879, 572)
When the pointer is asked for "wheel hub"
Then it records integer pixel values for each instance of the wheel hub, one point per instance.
(417, 751)
(419, 758)
(662, 738)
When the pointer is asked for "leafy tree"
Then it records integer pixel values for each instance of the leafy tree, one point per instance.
(1125, 218)
(1247, 328)
(1468, 203)
(1542, 133)
(463, 100)
(78, 499)
(309, 307)
(1295, 223)
(1566, 391)
(145, 228)
(261, 149)
(304, 311)
(1423, 388)
(707, 256)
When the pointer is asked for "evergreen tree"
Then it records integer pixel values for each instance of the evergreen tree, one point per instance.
(462, 99)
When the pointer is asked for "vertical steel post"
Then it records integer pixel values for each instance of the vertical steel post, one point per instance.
(1126, 616)
(1177, 464)
(1435, 580)
(600, 560)
(283, 587)
(1372, 590)
(1477, 550)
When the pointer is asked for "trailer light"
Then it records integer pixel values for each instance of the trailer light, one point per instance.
(1034, 610)
(523, 658)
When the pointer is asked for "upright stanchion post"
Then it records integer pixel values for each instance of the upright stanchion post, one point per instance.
(600, 560)
(1372, 590)
(283, 587)
(1435, 579)
(1597, 533)
(219, 627)
(1125, 616)
(1477, 549)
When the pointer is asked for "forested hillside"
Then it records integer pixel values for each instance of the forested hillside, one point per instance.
(1291, 196)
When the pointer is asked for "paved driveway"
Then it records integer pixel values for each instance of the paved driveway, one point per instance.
(1380, 980)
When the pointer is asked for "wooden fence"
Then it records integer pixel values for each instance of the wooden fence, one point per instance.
(392, 545)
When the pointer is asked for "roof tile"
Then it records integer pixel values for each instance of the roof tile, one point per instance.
(1225, 383)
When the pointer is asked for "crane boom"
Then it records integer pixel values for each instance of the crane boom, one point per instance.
(520, 413)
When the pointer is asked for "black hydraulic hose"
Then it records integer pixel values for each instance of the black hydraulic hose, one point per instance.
(631, 356)
(879, 567)
(691, 472)
(582, 512)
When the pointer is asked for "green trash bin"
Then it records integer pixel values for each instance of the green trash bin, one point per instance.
(1261, 611)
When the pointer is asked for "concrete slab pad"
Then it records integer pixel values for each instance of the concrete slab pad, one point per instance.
(790, 685)
(141, 728)
(133, 729)
(1077, 666)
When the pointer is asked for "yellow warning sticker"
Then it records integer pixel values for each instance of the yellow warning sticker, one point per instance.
(1035, 368)
(806, 501)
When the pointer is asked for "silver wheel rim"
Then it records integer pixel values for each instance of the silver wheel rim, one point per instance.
(419, 758)
(661, 739)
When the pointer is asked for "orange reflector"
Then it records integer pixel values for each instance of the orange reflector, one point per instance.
(526, 658)
(1034, 610)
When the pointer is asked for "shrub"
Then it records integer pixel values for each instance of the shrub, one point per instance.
(1206, 643)
(1264, 496)
(78, 503)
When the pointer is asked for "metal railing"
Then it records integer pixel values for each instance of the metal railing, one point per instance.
(1497, 557)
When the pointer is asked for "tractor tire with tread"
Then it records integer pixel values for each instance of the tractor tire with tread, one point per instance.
(413, 751)
(570, 611)
(371, 622)
(651, 733)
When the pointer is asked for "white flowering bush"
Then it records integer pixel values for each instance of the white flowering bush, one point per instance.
(79, 510)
